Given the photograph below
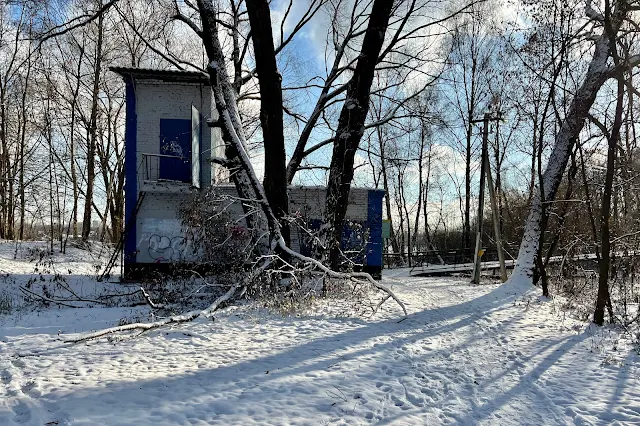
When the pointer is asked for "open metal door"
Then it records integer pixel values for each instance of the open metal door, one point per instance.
(195, 147)
(175, 150)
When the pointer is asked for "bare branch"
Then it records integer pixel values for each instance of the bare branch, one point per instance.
(77, 22)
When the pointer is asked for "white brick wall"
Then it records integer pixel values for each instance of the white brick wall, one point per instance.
(156, 100)
(309, 203)
(159, 237)
(158, 229)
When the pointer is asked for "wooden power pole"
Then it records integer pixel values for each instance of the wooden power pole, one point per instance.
(485, 171)
(477, 255)
(495, 214)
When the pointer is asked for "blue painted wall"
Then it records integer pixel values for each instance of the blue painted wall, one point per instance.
(374, 222)
(131, 179)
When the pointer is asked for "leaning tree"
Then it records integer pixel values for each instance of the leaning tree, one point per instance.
(606, 32)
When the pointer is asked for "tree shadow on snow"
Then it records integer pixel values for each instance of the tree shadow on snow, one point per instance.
(275, 371)
(315, 355)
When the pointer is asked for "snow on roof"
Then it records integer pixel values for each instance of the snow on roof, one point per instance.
(164, 75)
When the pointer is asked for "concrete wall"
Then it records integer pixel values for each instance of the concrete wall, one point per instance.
(157, 236)
(309, 202)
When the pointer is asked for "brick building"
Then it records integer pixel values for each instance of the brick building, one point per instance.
(167, 162)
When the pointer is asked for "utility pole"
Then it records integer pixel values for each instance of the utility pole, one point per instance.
(485, 171)
(495, 212)
(477, 256)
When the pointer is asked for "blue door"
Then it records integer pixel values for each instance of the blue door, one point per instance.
(374, 220)
(175, 140)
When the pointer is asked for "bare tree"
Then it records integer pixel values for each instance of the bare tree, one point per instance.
(93, 131)
(613, 139)
(598, 72)
(474, 44)
(351, 126)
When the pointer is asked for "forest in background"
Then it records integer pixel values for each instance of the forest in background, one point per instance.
(438, 69)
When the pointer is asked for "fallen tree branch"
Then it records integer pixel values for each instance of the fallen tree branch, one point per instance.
(359, 277)
(147, 298)
(175, 319)
(29, 293)
(78, 299)
(356, 276)
(179, 319)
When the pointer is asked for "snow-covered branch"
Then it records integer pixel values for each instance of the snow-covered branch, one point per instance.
(175, 319)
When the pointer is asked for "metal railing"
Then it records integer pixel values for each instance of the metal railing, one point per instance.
(437, 257)
(151, 167)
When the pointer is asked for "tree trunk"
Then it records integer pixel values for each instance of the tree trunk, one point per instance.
(403, 203)
(271, 110)
(93, 135)
(4, 172)
(466, 229)
(72, 150)
(351, 126)
(237, 159)
(387, 196)
(604, 298)
(425, 202)
(597, 73)
(398, 200)
(420, 184)
(534, 156)
(23, 141)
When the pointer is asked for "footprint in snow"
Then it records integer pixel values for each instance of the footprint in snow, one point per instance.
(58, 416)
(415, 399)
(18, 363)
(21, 412)
(30, 389)
(429, 392)
(399, 403)
(383, 387)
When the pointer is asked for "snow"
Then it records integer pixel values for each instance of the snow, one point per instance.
(465, 354)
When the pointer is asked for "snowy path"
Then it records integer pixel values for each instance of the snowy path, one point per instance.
(465, 355)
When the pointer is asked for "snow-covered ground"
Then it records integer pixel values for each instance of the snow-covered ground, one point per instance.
(466, 354)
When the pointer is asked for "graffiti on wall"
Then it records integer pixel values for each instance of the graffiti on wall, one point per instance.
(163, 240)
(162, 248)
